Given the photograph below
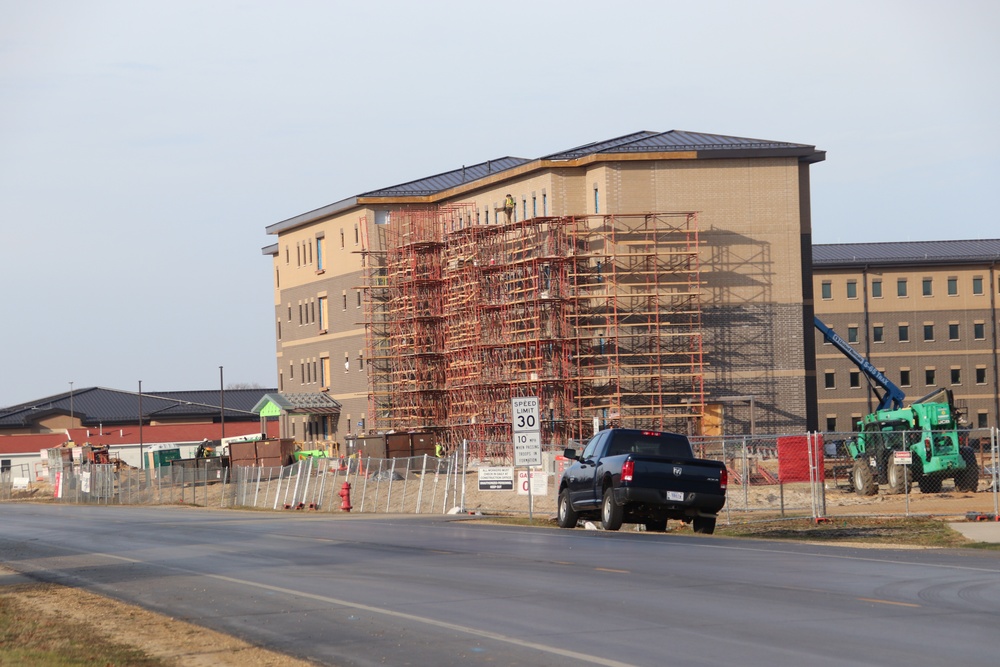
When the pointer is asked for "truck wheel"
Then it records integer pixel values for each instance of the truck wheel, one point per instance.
(611, 514)
(864, 480)
(704, 525)
(930, 483)
(656, 526)
(897, 477)
(566, 516)
(968, 479)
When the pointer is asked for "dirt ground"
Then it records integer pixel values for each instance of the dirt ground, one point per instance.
(175, 642)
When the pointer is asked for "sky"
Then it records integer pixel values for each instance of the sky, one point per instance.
(146, 144)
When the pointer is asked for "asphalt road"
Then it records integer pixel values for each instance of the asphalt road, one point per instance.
(435, 591)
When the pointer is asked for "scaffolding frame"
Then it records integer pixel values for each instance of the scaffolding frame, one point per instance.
(598, 316)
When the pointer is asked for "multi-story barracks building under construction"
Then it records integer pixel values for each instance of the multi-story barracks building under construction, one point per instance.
(655, 280)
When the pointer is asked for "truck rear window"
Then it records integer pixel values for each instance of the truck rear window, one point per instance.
(648, 443)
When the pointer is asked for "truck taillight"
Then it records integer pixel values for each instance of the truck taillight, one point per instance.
(927, 448)
(724, 478)
(628, 467)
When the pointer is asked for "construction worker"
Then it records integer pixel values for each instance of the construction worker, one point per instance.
(439, 450)
(508, 207)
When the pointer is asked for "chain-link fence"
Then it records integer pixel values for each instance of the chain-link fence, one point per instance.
(798, 475)
(14, 478)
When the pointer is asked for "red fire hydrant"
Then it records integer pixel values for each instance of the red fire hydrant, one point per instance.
(345, 493)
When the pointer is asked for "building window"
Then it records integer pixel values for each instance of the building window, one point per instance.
(904, 377)
(534, 207)
(357, 237)
(310, 253)
(855, 378)
(982, 420)
(901, 287)
(597, 201)
(977, 286)
(956, 376)
(929, 377)
(279, 329)
(545, 204)
(928, 333)
(826, 290)
(347, 362)
(361, 360)
(358, 295)
(852, 289)
(852, 334)
(878, 333)
(979, 330)
(319, 254)
(287, 259)
(324, 369)
(831, 424)
(300, 313)
(829, 380)
(877, 289)
(952, 286)
(904, 333)
(291, 371)
(344, 295)
(927, 287)
(323, 314)
(524, 208)
(952, 331)
(980, 375)
(343, 239)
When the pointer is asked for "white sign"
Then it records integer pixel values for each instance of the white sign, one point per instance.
(902, 458)
(527, 449)
(524, 414)
(496, 478)
(539, 483)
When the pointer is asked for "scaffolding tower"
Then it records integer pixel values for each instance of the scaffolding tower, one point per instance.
(597, 316)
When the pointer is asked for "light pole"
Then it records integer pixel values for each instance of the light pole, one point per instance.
(142, 462)
(222, 407)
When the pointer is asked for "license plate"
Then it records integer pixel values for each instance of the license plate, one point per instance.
(675, 495)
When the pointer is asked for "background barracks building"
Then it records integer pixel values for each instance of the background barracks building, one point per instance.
(654, 279)
(925, 313)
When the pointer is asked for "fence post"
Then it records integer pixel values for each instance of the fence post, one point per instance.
(420, 488)
(364, 488)
(994, 450)
(392, 473)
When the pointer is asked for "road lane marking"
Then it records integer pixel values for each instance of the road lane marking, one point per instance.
(454, 627)
(608, 569)
(898, 604)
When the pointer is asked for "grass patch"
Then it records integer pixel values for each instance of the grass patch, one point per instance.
(909, 531)
(27, 638)
(902, 531)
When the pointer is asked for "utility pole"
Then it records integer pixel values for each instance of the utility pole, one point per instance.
(222, 406)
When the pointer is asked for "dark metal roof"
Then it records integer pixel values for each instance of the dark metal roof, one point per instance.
(705, 145)
(679, 140)
(449, 179)
(94, 406)
(907, 253)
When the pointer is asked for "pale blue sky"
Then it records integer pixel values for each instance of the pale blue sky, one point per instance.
(145, 146)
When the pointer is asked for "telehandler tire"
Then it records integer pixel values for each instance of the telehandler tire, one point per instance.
(864, 480)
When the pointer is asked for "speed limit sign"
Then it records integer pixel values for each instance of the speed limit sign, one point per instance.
(527, 431)
(524, 414)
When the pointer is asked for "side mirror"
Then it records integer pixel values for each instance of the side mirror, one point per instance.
(570, 453)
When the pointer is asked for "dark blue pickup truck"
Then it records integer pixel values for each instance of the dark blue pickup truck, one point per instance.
(633, 476)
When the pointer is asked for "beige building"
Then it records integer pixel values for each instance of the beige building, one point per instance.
(924, 313)
(655, 279)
